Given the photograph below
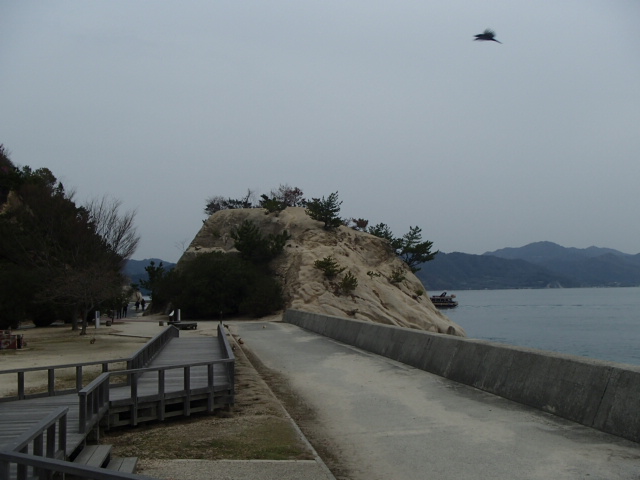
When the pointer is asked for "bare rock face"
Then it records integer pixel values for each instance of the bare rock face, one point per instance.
(367, 257)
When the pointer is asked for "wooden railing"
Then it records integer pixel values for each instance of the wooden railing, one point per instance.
(47, 467)
(93, 402)
(45, 455)
(107, 365)
(186, 393)
(227, 351)
(137, 360)
(143, 356)
(47, 438)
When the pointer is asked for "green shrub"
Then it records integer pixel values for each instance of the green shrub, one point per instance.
(264, 298)
(409, 247)
(326, 211)
(272, 205)
(397, 275)
(255, 247)
(348, 283)
(329, 266)
(214, 284)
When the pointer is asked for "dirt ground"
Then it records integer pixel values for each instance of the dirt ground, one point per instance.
(258, 427)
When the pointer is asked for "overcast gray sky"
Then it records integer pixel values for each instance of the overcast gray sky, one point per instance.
(164, 104)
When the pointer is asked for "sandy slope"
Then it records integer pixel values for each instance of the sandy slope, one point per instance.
(376, 298)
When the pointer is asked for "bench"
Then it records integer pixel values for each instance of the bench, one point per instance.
(185, 325)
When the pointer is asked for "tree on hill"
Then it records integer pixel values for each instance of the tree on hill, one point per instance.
(290, 196)
(409, 247)
(254, 246)
(272, 204)
(413, 250)
(216, 203)
(326, 211)
(382, 230)
(280, 198)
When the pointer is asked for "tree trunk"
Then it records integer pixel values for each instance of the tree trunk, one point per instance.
(74, 318)
(84, 322)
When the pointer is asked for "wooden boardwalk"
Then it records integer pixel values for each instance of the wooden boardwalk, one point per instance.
(18, 416)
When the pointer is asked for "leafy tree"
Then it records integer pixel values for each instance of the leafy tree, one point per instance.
(409, 247)
(19, 286)
(155, 275)
(290, 196)
(397, 275)
(272, 205)
(413, 250)
(72, 255)
(381, 230)
(348, 283)
(326, 211)
(329, 266)
(255, 247)
(264, 299)
(217, 203)
(88, 272)
(8, 175)
(215, 284)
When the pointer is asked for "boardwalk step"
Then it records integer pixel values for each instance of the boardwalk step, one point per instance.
(126, 464)
(94, 456)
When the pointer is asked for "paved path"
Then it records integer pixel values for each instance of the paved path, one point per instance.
(386, 420)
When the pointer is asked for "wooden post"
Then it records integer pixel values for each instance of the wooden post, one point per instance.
(210, 397)
(5, 469)
(51, 375)
(82, 421)
(134, 399)
(51, 440)
(78, 378)
(21, 385)
(187, 392)
(62, 434)
(161, 403)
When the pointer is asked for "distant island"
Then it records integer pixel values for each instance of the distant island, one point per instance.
(536, 265)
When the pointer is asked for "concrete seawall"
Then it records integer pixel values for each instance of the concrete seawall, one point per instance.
(598, 394)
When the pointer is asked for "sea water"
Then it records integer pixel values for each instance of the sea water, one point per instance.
(601, 323)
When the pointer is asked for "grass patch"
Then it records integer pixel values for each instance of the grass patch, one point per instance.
(273, 439)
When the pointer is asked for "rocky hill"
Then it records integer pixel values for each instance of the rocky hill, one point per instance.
(367, 257)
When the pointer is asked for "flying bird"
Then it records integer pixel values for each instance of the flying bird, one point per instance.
(487, 35)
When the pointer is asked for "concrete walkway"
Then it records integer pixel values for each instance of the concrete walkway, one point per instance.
(385, 420)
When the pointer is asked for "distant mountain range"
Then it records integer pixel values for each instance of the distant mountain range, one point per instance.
(536, 265)
(135, 270)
